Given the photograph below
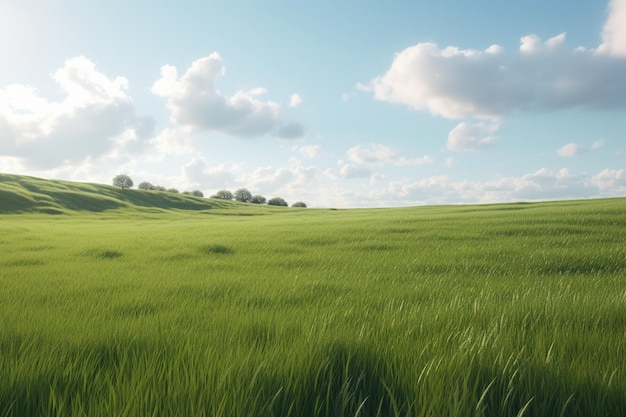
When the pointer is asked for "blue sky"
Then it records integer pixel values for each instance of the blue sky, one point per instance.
(337, 104)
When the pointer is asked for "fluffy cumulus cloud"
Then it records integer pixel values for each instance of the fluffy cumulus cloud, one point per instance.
(377, 154)
(96, 117)
(611, 182)
(614, 31)
(472, 136)
(492, 83)
(195, 103)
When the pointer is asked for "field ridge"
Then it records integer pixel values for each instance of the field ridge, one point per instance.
(25, 194)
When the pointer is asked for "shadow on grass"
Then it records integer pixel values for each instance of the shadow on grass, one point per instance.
(103, 253)
(216, 250)
(539, 392)
(341, 378)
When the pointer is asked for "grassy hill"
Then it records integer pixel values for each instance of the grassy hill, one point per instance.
(22, 194)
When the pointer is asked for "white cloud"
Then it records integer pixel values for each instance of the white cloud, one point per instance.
(570, 150)
(472, 136)
(295, 100)
(350, 96)
(489, 84)
(197, 173)
(348, 171)
(532, 44)
(377, 177)
(172, 141)
(599, 144)
(96, 116)
(377, 154)
(310, 150)
(195, 103)
(574, 149)
(543, 184)
(84, 85)
(269, 178)
(613, 181)
(614, 31)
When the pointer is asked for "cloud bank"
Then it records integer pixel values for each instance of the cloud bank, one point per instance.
(95, 117)
(574, 149)
(543, 184)
(377, 154)
(472, 136)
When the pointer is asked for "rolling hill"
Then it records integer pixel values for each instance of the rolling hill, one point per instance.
(23, 194)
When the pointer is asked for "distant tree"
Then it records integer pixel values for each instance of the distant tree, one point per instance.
(257, 199)
(197, 193)
(187, 192)
(277, 201)
(146, 186)
(123, 181)
(299, 204)
(242, 195)
(172, 190)
(223, 194)
(160, 188)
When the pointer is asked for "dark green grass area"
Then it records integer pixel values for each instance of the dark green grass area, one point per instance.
(497, 310)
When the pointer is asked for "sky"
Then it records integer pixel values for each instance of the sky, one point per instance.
(337, 104)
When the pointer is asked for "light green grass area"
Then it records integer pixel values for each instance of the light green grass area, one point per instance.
(241, 310)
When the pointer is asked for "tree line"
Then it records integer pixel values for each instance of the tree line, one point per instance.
(242, 195)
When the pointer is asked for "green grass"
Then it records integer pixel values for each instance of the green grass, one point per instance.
(21, 194)
(241, 310)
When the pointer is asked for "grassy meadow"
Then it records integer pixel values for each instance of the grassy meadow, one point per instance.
(178, 306)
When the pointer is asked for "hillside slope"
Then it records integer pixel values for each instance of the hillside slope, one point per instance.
(22, 194)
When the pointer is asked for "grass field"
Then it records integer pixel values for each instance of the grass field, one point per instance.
(167, 305)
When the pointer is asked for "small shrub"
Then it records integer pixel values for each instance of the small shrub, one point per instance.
(277, 201)
(257, 199)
